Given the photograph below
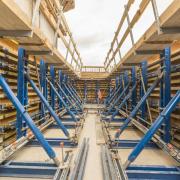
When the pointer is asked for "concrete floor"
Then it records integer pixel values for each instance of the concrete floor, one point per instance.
(92, 130)
(93, 165)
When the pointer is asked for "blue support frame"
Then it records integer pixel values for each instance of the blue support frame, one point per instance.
(155, 126)
(27, 118)
(53, 97)
(165, 91)
(144, 77)
(54, 115)
(60, 79)
(43, 84)
(22, 91)
(134, 94)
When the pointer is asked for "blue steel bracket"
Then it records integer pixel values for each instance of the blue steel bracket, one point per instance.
(54, 115)
(22, 91)
(61, 99)
(28, 120)
(139, 104)
(153, 129)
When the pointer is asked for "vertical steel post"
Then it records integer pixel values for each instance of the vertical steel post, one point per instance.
(53, 75)
(165, 91)
(133, 76)
(60, 78)
(144, 77)
(43, 84)
(22, 91)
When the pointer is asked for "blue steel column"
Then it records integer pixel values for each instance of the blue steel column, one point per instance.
(133, 76)
(43, 84)
(166, 96)
(29, 121)
(60, 78)
(144, 77)
(22, 92)
(117, 81)
(52, 73)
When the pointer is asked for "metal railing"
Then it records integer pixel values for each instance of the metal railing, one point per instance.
(119, 40)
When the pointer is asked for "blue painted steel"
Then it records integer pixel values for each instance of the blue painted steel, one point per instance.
(167, 92)
(75, 92)
(55, 142)
(22, 91)
(117, 100)
(121, 144)
(115, 94)
(155, 126)
(27, 118)
(53, 76)
(139, 104)
(66, 97)
(153, 172)
(60, 79)
(62, 100)
(133, 76)
(124, 101)
(71, 95)
(143, 108)
(54, 115)
(117, 82)
(43, 84)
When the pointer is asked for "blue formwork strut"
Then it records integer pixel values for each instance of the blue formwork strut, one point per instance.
(28, 119)
(43, 69)
(43, 84)
(63, 102)
(154, 127)
(60, 79)
(144, 77)
(54, 115)
(69, 92)
(165, 88)
(75, 92)
(118, 89)
(72, 93)
(123, 101)
(139, 104)
(117, 100)
(22, 91)
(134, 94)
(66, 97)
(53, 74)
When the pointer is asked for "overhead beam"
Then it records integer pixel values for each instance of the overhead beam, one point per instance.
(150, 52)
(16, 33)
(39, 52)
(170, 30)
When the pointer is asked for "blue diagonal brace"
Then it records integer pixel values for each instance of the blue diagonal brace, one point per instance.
(155, 126)
(137, 107)
(63, 102)
(54, 115)
(28, 120)
(117, 100)
(123, 102)
(66, 97)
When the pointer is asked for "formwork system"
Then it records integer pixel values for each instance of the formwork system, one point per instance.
(60, 119)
